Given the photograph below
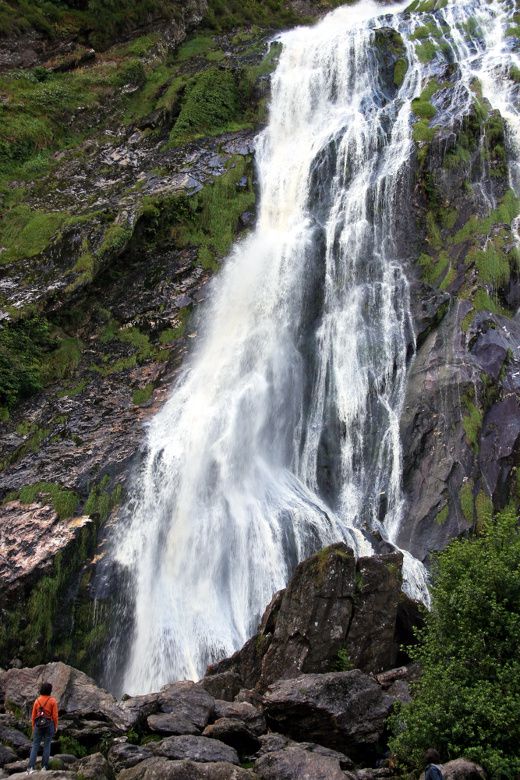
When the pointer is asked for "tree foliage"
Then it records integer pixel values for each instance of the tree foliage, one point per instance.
(467, 700)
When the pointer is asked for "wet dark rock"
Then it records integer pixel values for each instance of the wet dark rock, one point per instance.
(16, 740)
(331, 605)
(93, 767)
(189, 700)
(171, 723)
(7, 755)
(162, 769)
(500, 447)
(293, 763)
(244, 712)
(194, 748)
(234, 733)
(124, 755)
(341, 710)
(222, 686)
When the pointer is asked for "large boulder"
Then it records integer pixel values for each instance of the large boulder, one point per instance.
(244, 712)
(7, 755)
(234, 733)
(85, 709)
(293, 763)
(345, 711)
(333, 607)
(462, 769)
(163, 769)
(170, 723)
(200, 749)
(93, 767)
(123, 755)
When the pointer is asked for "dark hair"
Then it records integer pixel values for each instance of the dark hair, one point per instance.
(46, 689)
(432, 756)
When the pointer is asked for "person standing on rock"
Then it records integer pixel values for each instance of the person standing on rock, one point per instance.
(45, 725)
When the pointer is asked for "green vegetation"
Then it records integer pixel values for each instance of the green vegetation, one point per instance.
(467, 700)
(442, 516)
(26, 233)
(224, 15)
(211, 106)
(427, 6)
(426, 31)
(65, 502)
(466, 500)
(101, 500)
(400, 71)
(343, 663)
(142, 395)
(71, 746)
(472, 423)
(426, 51)
(22, 349)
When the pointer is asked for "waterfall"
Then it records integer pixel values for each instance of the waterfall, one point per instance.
(282, 433)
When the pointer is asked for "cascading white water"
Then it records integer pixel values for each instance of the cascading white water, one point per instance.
(282, 434)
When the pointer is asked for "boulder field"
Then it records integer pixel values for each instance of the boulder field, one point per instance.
(308, 697)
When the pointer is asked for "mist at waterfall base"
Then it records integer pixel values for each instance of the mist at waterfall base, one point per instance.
(281, 435)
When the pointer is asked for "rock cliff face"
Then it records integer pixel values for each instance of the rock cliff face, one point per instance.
(120, 197)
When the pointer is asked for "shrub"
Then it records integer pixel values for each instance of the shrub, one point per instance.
(467, 700)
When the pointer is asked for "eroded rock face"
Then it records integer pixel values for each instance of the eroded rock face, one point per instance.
(31, 535)
(331, 605)
(342, 710)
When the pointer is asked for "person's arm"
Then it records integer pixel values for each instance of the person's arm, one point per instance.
(34, 711)
(54, 714)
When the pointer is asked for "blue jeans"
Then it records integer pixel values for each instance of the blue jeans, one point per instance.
(38, 735)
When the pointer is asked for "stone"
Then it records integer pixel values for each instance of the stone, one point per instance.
(224, 686)
(15, 739)
(235, 734)
(189, 700)
(307, 626)
(80, 700)
(123, 755)
(345, 711)
(200, 749)
(293, 763)
(462, 769)
(32, 535)
(243, 711)
(344, 761)
(162, 769)
(170, 723)
(7, 755)
(93, 767)
(49, 775)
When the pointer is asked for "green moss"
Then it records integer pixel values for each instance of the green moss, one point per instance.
(63, 362)
(195, 47)
(115, 239)
(514, 74)
(26, 233)
(442, 516)
(211, 106)
(423, 109)
(400, 71)
(171, 334)
(466, 500)
(427, 6)
(101, 500)
(483, 509)
(65, 502)
(211, 217)
(23, 347)
(426, 31)
(434, 268)
(426, 51)
(343, 661)
(71, 746)
(422, 132)
(224, 15)
(492, 265)
(142, 395)
(472, 423)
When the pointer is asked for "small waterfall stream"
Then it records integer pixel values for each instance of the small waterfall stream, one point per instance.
(282, 433)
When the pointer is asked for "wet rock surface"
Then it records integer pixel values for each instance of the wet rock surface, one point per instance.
(341, 710)
(332, 604)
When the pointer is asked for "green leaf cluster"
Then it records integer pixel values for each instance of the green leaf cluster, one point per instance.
(467, 700)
